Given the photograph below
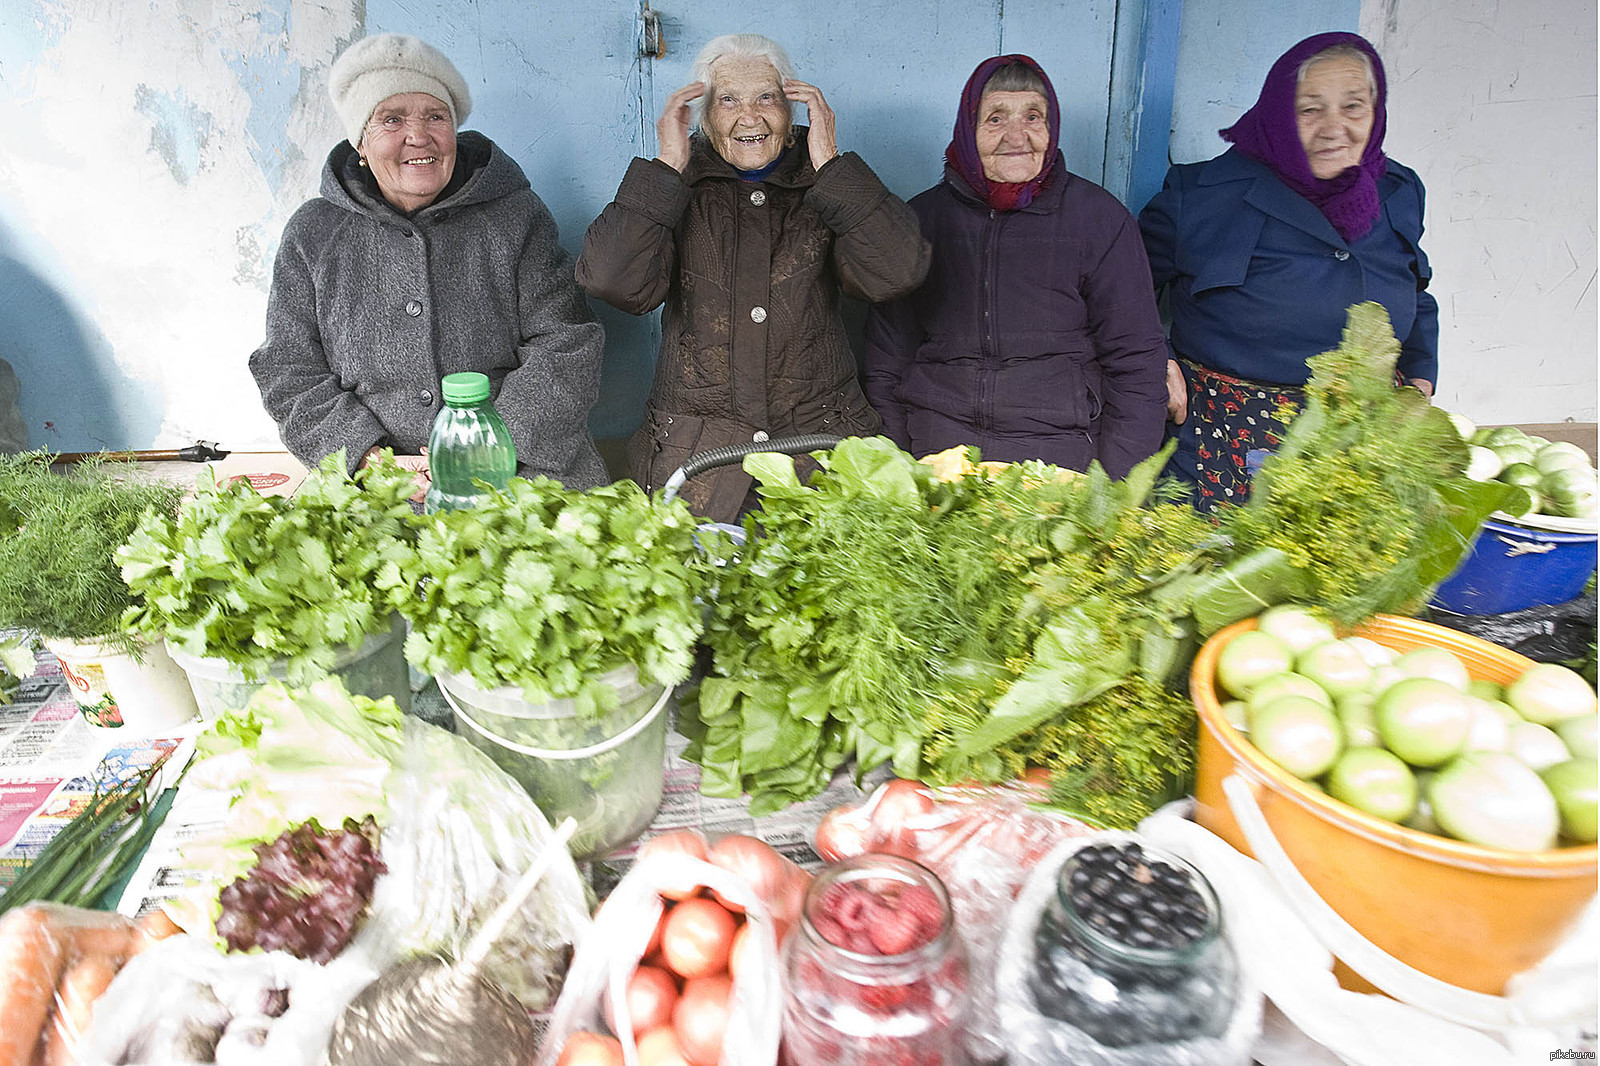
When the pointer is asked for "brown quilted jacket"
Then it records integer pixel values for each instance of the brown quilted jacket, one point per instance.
(750, 273)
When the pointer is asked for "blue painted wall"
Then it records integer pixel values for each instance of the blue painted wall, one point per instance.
(133, 331)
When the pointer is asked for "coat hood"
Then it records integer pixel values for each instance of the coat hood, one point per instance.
(483, 173)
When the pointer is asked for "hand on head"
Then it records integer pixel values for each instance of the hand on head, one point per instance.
(672, 128)
(820, 141)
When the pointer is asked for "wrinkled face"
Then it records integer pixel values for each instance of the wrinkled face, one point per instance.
(1013, 131)
(746, 115)
(410, 144)
(1333, 109)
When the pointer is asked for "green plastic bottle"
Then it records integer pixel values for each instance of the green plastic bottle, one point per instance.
(469, 442)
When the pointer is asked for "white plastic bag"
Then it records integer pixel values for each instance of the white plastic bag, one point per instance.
(1033, 1039)
(621, 931)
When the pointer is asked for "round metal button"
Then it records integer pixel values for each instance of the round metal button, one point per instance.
(425, 397)
(1341, 255)
(760, 436)
(413, 308)
(758, 197)
(758, 314)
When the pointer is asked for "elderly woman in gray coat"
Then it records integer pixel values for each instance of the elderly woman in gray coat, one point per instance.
(427, 253)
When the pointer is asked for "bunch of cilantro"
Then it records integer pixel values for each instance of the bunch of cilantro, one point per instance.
(257, 580)
(547, 590)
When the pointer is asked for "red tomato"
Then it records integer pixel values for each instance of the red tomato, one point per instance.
(899, 800)
(591, 1049)
(842, 834)
(651, 993)
(737, 949)
(696, 938)
(654, 944)
(701, 1018)
(755, 863)
(682, 842)
(660, 1047)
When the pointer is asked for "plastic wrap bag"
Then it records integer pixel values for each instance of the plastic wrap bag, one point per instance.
(55, 962)
(1555, 634)
(183, 1002)
(456, 834)
(622, 930)
(1032, 1039)
(981, 841)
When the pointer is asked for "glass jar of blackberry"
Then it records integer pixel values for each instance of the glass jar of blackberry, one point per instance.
(1130, 949)
(875, 973)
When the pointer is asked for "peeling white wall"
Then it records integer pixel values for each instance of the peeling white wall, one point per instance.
(1493, 104)
(134, 185)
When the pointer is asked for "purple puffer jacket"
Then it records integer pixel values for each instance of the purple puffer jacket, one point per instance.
(1035, 334)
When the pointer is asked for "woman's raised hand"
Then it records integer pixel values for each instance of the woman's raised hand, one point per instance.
(820, 141)
(672, 128)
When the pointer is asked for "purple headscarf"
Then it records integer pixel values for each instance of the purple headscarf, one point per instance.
(1268, 134)
(962, 155)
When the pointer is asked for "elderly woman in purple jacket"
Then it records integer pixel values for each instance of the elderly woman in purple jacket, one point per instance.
(1035, 335)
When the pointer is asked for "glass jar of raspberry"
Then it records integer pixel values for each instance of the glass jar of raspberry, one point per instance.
(1130, 949)
(875, 973)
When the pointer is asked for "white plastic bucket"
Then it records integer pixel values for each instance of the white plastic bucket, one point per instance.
(376, 669)
(605, 773)
(114, 690)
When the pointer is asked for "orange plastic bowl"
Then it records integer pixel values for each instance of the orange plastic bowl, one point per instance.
(1469, 915)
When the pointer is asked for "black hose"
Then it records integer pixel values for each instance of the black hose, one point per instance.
(733, 453)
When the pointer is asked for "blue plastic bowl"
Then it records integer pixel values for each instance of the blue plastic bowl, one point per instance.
(1513, 567)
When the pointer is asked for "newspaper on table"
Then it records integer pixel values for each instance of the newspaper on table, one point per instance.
(51, 759)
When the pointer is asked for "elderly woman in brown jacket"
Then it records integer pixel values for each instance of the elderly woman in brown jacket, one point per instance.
(747, 230)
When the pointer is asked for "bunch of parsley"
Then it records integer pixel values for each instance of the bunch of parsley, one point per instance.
(255, 579)
(546, 589)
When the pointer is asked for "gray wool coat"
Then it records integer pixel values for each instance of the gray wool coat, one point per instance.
(370, 307)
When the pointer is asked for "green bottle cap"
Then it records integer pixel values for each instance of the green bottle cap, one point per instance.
(466, 387)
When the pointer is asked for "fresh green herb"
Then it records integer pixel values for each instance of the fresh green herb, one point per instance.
(548, 590)
(97, 847)
(59, 534)
(257, 579)
(1368, 495)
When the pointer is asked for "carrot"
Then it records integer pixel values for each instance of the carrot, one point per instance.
(152, 926)
(82, 984)
(31, 959)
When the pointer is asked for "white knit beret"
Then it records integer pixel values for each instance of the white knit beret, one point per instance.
(375, 68)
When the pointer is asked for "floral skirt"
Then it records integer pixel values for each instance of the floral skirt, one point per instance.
(1228, 419)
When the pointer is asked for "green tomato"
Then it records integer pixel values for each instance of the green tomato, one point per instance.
(1561, 455)
(1535, 746)
(1358, 720)
(1234, 712)
(1422, 819)
(1576, 787)
(1298, 627)
(1485, 690)
(1423, 720)
(1581, 735)
(1337, 667)
(1249, 659)
(1439, 663)
(1372, 653)
(1547, 693)
(1288, 683)
(1299, 734)
(1492, 799)
(1375, 781)
(1490, 730)
(1483, 464)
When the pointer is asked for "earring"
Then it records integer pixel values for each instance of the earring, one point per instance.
(363, 161)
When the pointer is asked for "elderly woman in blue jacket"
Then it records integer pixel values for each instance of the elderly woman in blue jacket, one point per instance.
(1260, 251)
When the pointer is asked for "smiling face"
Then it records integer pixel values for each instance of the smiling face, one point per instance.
(746, 115)
(1013, 132)
(1333, 110)
(410, 144)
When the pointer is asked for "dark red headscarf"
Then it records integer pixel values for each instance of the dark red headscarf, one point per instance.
(962, 155)
(1268, 134)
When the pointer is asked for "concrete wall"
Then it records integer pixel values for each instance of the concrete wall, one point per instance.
(1493, 104)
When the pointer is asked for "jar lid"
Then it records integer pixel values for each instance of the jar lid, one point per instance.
(465, 387)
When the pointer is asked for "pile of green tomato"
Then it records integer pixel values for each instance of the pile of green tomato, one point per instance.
(1558, 476)
(1410, 738)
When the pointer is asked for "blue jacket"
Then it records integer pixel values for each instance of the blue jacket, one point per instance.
(1035, 335)
(1257, 280)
